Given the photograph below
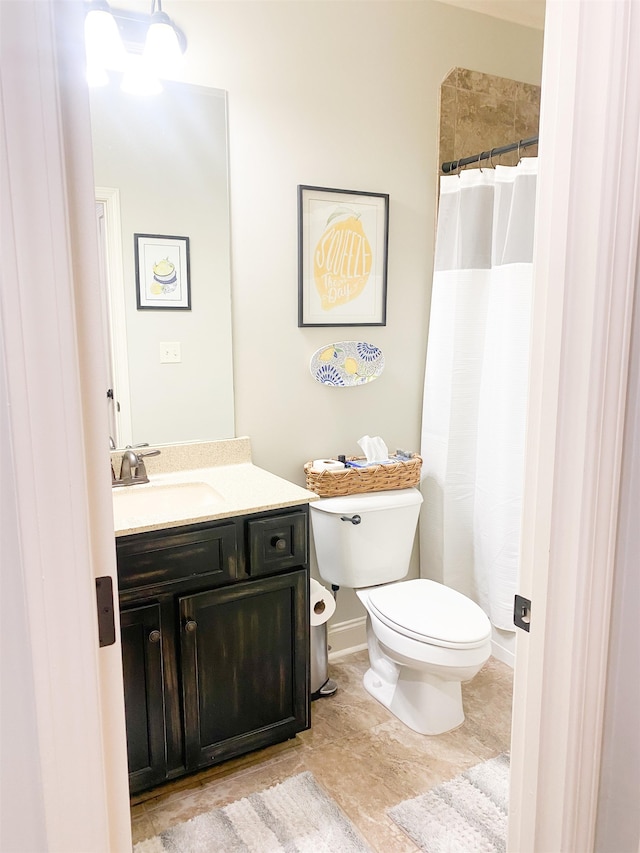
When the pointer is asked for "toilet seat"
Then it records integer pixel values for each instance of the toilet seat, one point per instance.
(431, 613)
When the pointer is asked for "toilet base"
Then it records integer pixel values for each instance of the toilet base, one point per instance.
(422, 701)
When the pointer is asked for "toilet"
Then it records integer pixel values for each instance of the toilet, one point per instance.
(424, 638)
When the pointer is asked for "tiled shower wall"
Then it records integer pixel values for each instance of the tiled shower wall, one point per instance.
(479, 112)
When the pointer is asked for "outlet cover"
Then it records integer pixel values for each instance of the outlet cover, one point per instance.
(170, 352)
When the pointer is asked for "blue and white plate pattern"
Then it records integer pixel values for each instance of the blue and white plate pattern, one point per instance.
(347, 363)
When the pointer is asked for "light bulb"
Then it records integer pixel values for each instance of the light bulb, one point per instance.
(103, 43)
(161, 48)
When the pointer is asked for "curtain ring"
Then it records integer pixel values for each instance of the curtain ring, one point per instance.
(479, 158)
(491, 166)
(519, 155)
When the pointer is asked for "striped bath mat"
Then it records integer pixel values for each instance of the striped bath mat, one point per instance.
(468, 813)
(295, 816)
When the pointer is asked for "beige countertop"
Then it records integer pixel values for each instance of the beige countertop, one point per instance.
(202, 481)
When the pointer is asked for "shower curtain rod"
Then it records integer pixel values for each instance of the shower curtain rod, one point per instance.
(454, 165)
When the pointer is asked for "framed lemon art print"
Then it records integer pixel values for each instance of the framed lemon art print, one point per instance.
(162, 272)
(343, 237)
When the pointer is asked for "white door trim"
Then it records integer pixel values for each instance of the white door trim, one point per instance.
(61, 516)
(586, 255)
(109, 197)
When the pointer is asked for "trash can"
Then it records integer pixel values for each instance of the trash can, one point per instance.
(321, 684)
(322, 605)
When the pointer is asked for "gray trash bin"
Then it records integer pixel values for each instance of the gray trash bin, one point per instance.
(321, 684)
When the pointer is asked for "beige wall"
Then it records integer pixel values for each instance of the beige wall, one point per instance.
(343, 95)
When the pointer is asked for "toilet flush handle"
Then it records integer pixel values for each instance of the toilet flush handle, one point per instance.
(354, 519)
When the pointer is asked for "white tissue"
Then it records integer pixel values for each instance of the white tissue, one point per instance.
(374, 448)
(322, 603)
(319, 465)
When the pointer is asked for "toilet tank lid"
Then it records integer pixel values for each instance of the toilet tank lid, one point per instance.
(368, 501)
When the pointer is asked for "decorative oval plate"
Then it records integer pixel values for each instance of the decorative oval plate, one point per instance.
(347, 363)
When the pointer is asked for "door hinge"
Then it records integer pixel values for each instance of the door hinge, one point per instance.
(521, 612)
(106, 620)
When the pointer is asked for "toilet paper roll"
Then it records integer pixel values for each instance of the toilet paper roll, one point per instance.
(319, 465)
(322, 603)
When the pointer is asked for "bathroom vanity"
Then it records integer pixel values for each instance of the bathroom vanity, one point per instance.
(214, 612)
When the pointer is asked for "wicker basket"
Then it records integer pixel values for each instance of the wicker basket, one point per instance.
(395, 475)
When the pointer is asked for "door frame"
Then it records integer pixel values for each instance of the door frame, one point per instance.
(586, 258)
(580, 361)
(71, 778)
(116, 310)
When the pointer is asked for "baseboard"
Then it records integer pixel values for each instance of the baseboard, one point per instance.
(346, 637)
(503, 646)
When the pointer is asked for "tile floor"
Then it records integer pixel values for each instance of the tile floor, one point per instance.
(359, 753)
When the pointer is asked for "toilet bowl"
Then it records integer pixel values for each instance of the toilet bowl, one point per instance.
(424, 639)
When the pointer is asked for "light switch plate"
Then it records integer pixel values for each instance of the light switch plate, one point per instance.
(170, 352)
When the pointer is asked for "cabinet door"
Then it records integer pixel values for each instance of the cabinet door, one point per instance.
(144, 695)
(245, 652)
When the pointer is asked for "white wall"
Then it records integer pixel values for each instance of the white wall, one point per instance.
(343, 95)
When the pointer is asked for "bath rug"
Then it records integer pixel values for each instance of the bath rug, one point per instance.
(295, 816)
(468, 813)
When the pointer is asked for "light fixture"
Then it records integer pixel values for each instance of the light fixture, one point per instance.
(103, 43)
(143, 47)
(162, 51)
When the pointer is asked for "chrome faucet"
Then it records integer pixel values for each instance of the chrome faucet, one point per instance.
(132, 468)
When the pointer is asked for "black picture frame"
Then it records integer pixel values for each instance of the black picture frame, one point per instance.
(343, 240)
(163, 276)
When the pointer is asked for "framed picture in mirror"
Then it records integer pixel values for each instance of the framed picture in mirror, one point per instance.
(162, 272)
(342, 257)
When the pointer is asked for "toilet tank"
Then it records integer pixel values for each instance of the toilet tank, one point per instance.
(374, 550)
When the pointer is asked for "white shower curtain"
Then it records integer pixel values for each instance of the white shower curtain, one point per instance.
(474, 410)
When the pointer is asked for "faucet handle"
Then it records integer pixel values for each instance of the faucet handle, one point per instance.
(132, 469)
(141, 471)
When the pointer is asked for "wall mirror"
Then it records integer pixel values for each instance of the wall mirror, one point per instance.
(161, 170)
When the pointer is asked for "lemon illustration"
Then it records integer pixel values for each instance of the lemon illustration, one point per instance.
(155, 288)
(351, 365)
(342, 259)
(163, 267)
(327, 354)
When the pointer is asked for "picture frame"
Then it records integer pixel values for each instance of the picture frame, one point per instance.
(343, 238)
(162, 272)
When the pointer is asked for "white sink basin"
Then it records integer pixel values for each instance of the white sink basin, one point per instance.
(166, 500)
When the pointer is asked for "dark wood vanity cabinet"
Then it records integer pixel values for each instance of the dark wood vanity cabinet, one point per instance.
(141, 630)
(215, 641)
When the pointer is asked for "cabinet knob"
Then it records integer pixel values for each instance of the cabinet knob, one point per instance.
(279, 544)
(154, 636)
(190, 626)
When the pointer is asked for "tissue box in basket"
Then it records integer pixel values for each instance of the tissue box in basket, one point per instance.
(376, 478)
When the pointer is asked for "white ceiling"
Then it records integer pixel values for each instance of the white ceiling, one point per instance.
(529, 13)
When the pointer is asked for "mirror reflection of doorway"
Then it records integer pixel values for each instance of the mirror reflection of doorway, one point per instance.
(113, 315)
